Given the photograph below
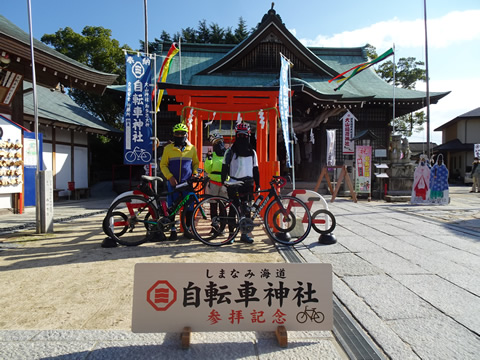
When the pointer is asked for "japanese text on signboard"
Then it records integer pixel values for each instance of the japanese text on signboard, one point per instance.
(363, 169)
(348, 132)
(137, 121)
(236, 297)
(284, 106)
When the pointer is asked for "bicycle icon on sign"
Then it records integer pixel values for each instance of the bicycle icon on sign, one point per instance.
(311, 314)
(138, 154)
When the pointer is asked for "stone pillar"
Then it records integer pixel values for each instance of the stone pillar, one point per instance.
(44, 202)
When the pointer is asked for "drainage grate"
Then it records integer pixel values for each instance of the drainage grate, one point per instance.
(346, 330)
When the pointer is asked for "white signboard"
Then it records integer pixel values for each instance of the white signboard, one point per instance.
(232, 297)
(348, 132)
(476, 150)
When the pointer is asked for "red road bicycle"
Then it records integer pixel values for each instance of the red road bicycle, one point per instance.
(217, 220)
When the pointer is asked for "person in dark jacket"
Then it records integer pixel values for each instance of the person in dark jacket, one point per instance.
(241, 163)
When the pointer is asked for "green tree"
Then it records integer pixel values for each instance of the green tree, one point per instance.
(407, 73)
(241, 31)
(207, 34)
(189, 35)
(203, 32)
(217, 34)
(230, 36)
(94, 47)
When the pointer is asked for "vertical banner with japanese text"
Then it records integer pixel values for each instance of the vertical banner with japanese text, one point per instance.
(476, 150)
(363, 166)
(137, 121)
(331, 135)
(283, 104)
(348, 132)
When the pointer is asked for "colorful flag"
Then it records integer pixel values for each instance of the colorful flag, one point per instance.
(162, 76)
(359, 68)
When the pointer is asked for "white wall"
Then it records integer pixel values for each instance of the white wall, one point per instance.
(81, 167)
(6, 201)
(47, 157)
(63, 166)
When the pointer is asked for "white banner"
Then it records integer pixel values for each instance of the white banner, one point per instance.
(331, 135)
(348, 132)
(476, 150)
(283, 105)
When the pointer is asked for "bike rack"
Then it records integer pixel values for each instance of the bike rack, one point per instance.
(309, 197)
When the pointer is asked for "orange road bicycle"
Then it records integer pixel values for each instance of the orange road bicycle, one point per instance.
(217, 220)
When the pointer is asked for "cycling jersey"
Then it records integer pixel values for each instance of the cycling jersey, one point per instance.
(181, 163)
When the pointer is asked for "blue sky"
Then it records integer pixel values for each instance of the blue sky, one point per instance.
(453, 31)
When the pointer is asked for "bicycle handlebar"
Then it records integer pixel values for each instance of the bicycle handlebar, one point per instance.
(278, 181)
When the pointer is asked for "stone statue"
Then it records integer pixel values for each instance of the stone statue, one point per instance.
(406, 150)
(395, 148)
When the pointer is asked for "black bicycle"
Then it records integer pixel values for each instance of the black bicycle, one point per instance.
(217, 220)
(135, 219)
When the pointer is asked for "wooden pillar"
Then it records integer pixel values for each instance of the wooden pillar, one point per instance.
(198, 133)
(273, 149)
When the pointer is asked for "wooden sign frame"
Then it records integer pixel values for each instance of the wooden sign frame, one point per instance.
(343, 175)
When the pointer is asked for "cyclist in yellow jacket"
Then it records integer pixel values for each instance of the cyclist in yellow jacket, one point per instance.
(179, 162)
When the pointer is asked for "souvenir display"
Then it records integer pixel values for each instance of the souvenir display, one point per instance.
(11, 171)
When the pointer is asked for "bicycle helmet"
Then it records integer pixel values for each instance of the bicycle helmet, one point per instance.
(242, 128)
(214, 137)
(180, 127)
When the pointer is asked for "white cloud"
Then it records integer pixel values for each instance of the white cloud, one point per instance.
(453, 28)
(463, 98)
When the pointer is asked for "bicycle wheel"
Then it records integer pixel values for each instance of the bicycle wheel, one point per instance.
(318, 317)
(131, 220)
(215, 221)
(186, 215)
(288, 221)
(145, 157)
(302, 317)
(130, 156)
(323, 221)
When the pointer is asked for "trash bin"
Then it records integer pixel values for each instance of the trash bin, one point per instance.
(71, 185)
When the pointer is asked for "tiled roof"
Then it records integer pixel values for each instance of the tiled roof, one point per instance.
(53, 66)
(475, 113)
(213, 66)
(59, 109)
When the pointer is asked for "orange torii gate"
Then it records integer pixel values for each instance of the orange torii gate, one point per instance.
(247, 102)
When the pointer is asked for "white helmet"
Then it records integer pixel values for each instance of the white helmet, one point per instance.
(214, 137)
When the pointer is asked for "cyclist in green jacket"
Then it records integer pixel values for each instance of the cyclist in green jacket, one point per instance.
(213, 166)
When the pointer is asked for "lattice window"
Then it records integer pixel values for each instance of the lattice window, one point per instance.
(266, 58)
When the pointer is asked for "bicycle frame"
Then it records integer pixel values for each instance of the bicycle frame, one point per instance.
(272, 194)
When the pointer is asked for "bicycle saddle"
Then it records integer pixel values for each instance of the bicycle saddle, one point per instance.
(152, 178)
(182, 185)
(232, 182)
